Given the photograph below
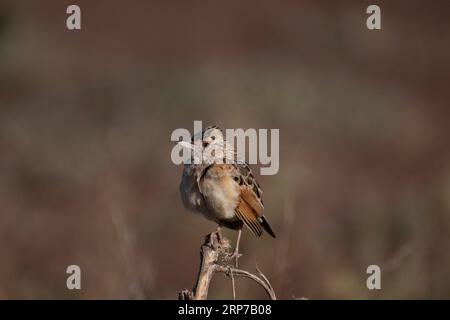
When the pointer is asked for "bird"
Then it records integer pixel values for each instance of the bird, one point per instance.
(221, 187)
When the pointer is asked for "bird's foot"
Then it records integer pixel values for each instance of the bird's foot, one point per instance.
(234, 256)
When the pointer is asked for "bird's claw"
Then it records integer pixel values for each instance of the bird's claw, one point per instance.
(234, 256)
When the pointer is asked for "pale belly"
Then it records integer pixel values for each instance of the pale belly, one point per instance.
(215, 202)
(221, 199)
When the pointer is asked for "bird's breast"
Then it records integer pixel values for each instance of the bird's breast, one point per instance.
(221, 195)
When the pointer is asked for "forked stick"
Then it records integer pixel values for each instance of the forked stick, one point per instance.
(214, 255)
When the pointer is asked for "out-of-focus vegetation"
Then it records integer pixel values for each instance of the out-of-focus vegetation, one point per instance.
(85, 123)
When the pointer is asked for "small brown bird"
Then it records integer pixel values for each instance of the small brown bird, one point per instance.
(221, 187)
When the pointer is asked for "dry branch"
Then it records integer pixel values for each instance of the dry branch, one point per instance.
(214, 257)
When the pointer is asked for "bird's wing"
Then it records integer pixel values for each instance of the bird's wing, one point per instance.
(246, 211)
(250, 207)
(248, 179)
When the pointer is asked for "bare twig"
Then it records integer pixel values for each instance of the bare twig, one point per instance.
(214, 257)
(233, 285)
(242, 273)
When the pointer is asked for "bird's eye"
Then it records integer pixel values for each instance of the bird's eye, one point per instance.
(205, 144)
(213, 137)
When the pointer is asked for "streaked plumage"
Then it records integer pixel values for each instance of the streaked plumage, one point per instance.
(222, 188)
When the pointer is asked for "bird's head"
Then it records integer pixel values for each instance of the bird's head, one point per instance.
(209, 146)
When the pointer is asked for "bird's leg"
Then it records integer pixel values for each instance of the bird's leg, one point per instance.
(236, 253)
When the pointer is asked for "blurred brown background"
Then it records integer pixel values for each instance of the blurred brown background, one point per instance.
(85, 123)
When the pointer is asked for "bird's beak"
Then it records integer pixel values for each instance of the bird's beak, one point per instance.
(186, 145)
